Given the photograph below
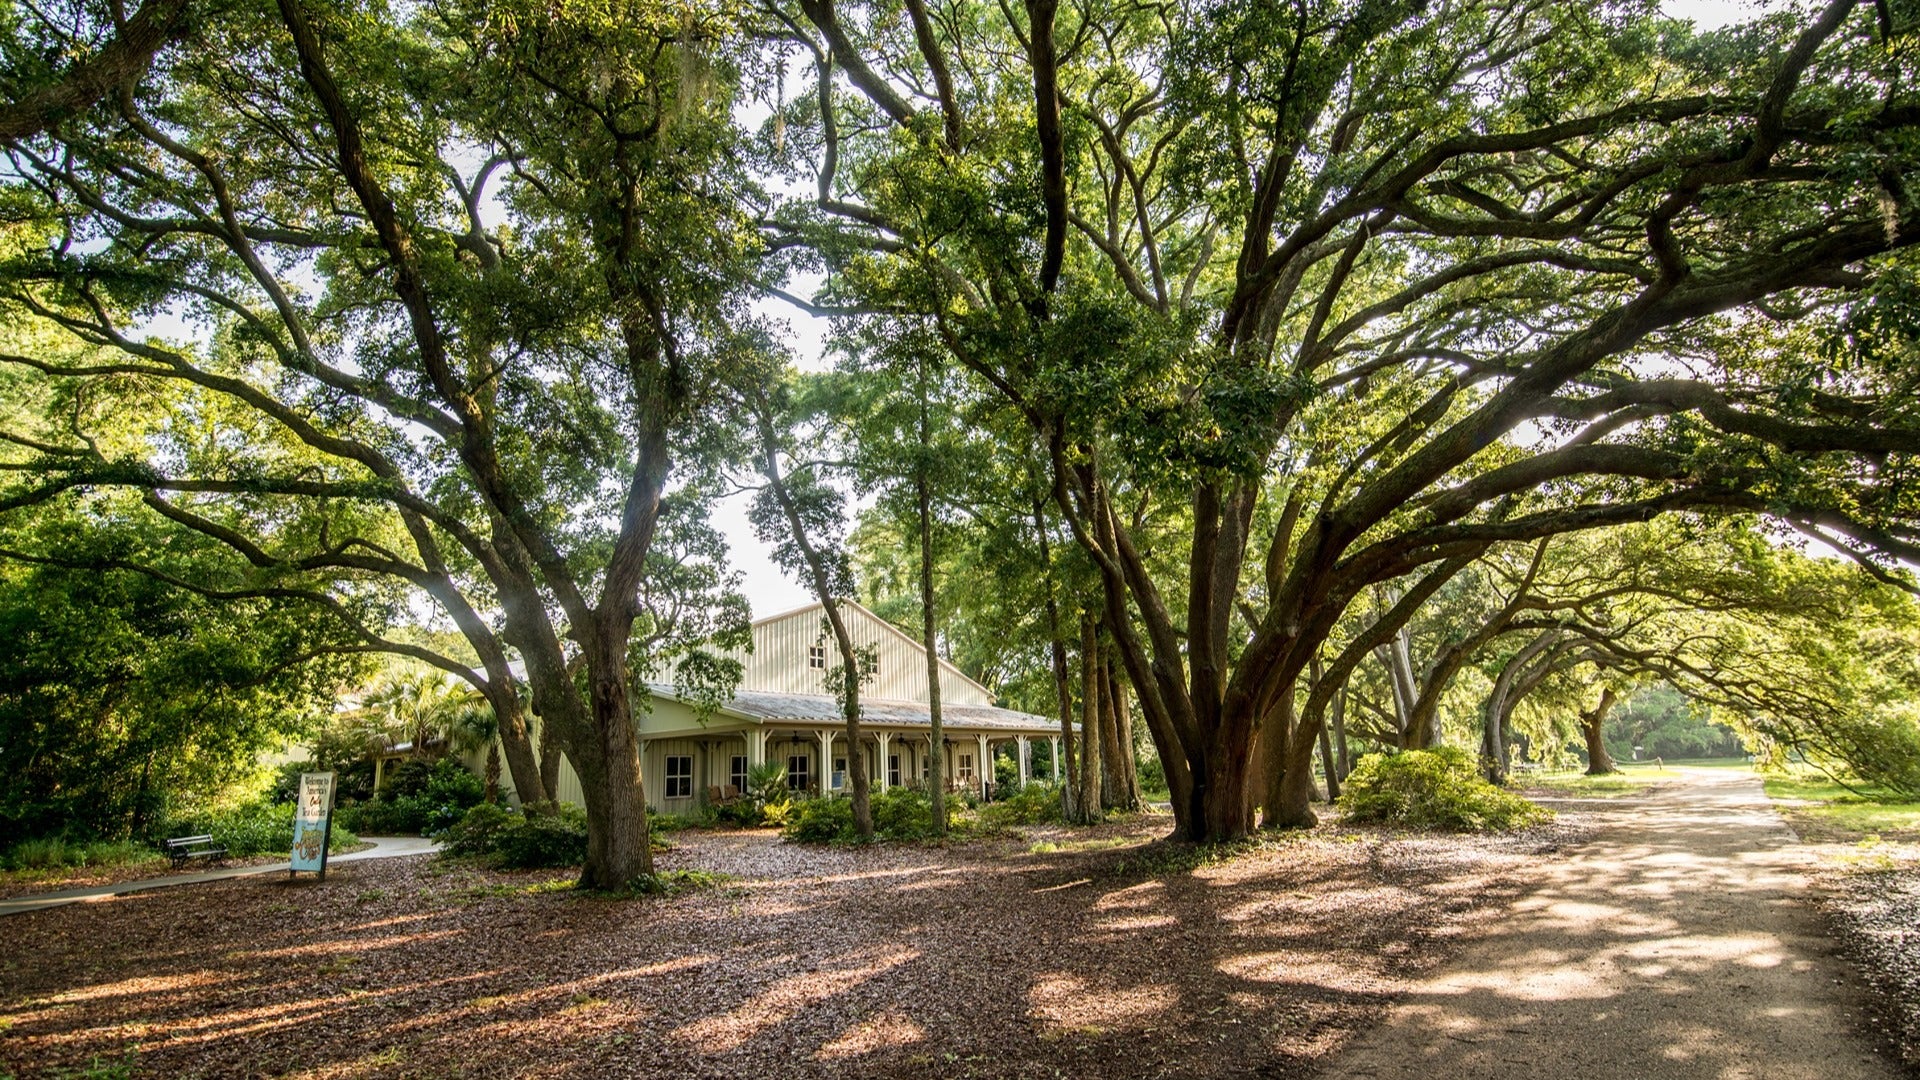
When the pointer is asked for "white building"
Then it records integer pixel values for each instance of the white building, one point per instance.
(783, 712)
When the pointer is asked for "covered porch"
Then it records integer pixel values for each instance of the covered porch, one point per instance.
(684, 768)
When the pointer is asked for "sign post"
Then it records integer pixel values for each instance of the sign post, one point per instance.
(312, 824)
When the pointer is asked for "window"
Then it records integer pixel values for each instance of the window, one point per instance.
(893, 769)
(737, 772)
(869, 662)
(966, 766)
(816, 656)
(679, 776)
(797, 772)
(839, 772)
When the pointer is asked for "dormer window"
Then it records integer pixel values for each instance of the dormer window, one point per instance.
(817, 656)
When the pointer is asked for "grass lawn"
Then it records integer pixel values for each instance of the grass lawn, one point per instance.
(40, 865)
(1822, 810)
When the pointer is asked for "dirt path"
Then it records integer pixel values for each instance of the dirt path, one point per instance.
(1674, 945)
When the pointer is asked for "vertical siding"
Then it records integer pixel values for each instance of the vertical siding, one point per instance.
(782, 745)
(779, 663)
(569, 788)
(710, 768)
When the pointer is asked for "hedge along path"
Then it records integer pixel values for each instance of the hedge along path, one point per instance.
(384, 847)
(1676, 944)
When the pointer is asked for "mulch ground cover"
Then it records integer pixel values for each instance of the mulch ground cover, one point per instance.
(1096, 953)
(1872, 898)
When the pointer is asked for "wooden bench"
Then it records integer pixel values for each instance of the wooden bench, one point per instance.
(184, 849)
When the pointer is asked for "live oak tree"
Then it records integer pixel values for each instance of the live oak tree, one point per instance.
(468, 285)
(1795, 651)
(1303, 299)
(904, 448)
(125, 692)
(1822, 670)
(802, 518)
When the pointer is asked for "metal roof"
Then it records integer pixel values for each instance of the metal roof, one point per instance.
(763, 706)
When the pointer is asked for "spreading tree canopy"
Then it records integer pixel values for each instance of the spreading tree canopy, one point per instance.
(462, 294)
(1304, 298)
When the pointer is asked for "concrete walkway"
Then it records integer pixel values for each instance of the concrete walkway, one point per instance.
(384, 847)
(1675, 945)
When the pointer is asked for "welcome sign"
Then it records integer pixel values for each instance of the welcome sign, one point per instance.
(312, 824)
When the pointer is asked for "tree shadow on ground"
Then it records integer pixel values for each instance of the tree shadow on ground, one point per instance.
(1674, 945)
(976, 960)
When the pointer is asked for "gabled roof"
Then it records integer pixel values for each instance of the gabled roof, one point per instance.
(945, 664)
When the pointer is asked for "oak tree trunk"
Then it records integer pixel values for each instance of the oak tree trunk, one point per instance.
(1599, 762)
(1326, 767)
(1062, 681)
(1088, 795)
(619, 851)
(1122, 788)
(924, 499)
(1338, 716)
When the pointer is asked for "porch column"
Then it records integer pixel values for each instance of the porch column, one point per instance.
(756, 746)
(1020, 744)
(882, 740)
(1055, 740)
(984, 776)
(826, 761)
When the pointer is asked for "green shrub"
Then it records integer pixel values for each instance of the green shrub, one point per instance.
(1035, 804)
(1006, 776)
(1433, 789)
(1152, 772)
(551, 835)
(405, 778)
(478, 831)
(1883, 748)
(821, 821)
(742, 811)
(903, 813)
(450, 781)
(557, 838)
(386, 817)
(286, 780)
(777, 813)
(419, 799)
(253, 828)
(899, 813)
(666, 823)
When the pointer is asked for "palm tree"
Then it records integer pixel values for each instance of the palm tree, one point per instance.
(415, 709)
(412, 707)
(473, 725)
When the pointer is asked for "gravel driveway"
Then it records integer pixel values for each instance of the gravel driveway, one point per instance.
(1676, 944)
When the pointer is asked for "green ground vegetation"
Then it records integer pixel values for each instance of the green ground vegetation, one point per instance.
(1824, 810)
